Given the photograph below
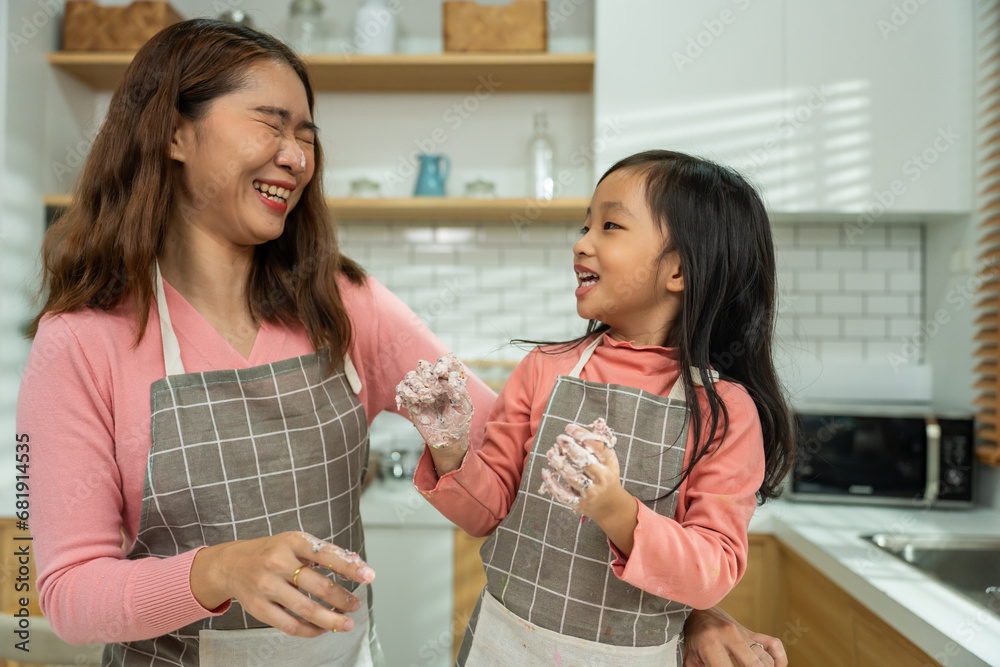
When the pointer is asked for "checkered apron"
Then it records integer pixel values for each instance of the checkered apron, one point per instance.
(242, 454)
(550, 592)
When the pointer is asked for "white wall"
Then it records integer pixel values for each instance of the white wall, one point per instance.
(29, 36)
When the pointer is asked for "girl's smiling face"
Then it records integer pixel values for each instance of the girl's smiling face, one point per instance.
(623, 279)
(246, 163)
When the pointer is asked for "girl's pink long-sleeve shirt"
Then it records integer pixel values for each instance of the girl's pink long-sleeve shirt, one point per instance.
(695, 557)
(84, 404)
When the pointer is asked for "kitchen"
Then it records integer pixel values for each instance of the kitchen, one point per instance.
(865, 124)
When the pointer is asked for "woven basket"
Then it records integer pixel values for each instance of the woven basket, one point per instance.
(519, 26)
(90, 27)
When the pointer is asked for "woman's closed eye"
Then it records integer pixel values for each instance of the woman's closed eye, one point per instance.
(310, 140)
(277, 130)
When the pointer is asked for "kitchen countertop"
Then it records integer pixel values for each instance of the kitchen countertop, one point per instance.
(944, 624)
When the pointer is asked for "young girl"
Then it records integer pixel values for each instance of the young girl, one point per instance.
(676, 274)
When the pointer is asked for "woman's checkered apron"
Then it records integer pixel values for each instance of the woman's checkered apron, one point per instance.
(242, 454)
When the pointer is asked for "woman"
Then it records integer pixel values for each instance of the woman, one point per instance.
(199, 373)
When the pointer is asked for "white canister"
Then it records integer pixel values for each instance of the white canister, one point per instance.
(375, 28)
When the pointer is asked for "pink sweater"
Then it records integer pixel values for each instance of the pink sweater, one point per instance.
(695, 557)
(84, 404)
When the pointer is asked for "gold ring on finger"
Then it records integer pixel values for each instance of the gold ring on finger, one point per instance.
(295, 577)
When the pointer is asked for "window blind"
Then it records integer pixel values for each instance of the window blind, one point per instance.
(987, 334)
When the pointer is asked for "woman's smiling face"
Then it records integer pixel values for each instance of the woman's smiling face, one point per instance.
(246, 163)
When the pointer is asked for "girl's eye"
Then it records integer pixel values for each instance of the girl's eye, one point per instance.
(308, 140)
(611, 225)
(584, 230)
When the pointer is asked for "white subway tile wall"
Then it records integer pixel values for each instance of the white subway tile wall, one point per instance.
(852, 298)
(855, 299)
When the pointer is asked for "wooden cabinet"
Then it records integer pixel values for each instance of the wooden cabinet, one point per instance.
(754, 601)
(875, 643)
(11, 575)
(815, 615)
(819, 623)
(829, 627)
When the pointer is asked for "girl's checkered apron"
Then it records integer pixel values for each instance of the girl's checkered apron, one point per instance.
(551, 596)
(242, 454)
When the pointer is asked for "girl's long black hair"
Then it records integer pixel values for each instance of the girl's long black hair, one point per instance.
(715, 220)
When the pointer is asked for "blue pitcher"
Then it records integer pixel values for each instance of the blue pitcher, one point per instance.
(434, 170)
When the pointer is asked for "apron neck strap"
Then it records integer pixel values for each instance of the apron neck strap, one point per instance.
(676, 392)
(172, 363)
(351, 372)
(585, 357)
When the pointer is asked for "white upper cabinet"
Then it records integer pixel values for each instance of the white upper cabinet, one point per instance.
(895, 126)
(852, 106)
(699, 77)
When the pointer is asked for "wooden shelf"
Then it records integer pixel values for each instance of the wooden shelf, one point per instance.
(57, 201)
(461, 209)
(445, 209)
(442, 72)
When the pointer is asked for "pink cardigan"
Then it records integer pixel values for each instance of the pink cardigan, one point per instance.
(695, 557)
(85, 405)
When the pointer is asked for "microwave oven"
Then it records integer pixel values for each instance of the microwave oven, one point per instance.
(899, 456)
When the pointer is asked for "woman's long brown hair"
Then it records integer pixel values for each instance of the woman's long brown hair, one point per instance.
(103, 249)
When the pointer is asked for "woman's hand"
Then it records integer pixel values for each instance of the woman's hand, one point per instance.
(712, 638)
(440, 408)
(260, 574)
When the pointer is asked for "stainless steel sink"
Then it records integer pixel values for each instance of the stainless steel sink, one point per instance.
(968, 564)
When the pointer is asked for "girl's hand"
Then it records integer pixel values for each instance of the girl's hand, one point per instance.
(260, 573)
(587, 479)
(713, 637)
(438, 402)
(601, 491)
(586, 469)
